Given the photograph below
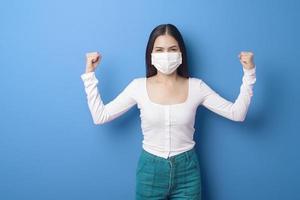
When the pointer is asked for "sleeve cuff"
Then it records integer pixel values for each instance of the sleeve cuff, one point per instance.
(87, 75)
(250, 71)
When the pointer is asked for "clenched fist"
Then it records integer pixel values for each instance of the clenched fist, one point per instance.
(246, 59)
(92, 60)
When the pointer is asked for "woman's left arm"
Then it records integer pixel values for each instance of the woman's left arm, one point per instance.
(237, 110)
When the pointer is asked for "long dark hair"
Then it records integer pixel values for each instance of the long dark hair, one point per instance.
(171, 30)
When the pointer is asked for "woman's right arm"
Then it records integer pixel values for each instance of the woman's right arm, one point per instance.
(102, 113)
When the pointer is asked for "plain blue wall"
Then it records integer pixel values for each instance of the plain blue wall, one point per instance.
(49, 146)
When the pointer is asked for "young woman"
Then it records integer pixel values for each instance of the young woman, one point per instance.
(168, 167)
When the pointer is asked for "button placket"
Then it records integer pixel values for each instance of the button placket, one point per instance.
(167, 129)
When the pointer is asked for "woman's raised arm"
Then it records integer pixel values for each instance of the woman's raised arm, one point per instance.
(102, 113)
(234, 111)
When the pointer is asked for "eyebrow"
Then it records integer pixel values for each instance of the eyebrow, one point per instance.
(169, 47)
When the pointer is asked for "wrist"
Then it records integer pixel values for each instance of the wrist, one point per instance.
(249, 71)
(249, 66)
(89, 69)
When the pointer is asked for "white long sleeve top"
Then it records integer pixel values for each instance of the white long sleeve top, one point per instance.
(168, 130)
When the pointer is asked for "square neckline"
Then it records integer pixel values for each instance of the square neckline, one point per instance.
(166, 105)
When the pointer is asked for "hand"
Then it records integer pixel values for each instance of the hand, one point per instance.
(246, 59)
(92, 60)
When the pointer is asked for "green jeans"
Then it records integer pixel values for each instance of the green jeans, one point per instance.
(177, 177)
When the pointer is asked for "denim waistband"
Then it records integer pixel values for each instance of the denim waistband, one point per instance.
(184, 155)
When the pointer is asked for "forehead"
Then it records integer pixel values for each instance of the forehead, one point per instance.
(165, 41)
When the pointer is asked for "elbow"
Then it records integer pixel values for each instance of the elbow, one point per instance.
(101, 120)
(239, 117)
(97, 123)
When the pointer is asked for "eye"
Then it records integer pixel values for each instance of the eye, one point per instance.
(174, 49)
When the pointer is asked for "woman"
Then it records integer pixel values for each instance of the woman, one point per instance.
(168, 167)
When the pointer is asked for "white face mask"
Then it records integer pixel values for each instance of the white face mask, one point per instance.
(166, 62)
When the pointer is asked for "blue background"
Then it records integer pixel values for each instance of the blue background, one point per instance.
(49, 146)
